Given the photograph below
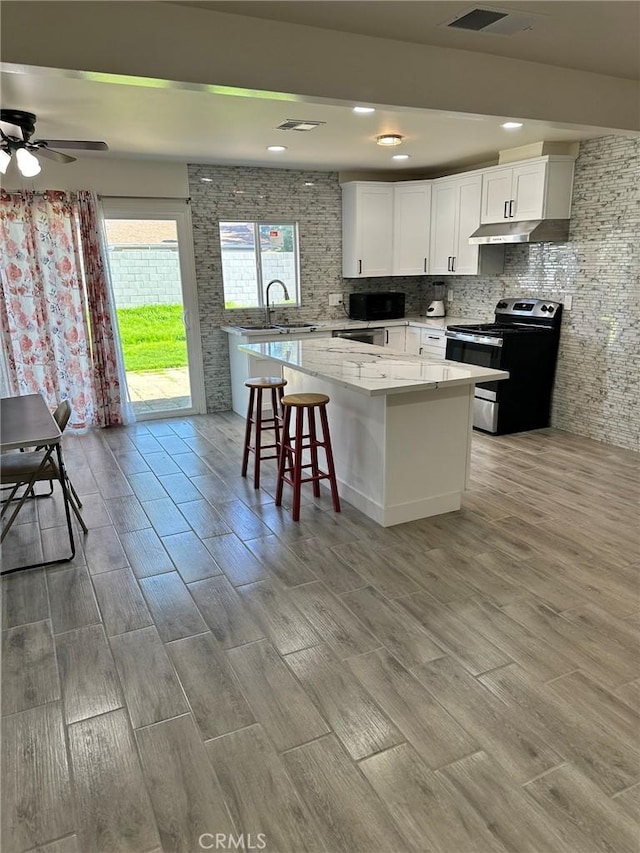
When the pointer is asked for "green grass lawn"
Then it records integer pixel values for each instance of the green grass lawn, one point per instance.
(153, 337)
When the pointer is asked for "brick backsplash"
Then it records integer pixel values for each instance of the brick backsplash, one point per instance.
(597, 391)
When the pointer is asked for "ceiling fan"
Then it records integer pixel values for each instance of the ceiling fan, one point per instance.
(16, 129)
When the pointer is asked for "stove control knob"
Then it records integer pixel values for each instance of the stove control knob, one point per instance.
(502, 304)
(544, 308)
(550, 309)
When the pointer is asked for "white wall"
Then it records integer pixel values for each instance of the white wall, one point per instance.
(115, 177)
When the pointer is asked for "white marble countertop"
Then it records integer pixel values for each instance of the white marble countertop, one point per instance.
(371, 370)
(331, 325)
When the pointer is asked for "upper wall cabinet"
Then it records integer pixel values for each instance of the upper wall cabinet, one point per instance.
(455, 215)
(411, 218)
(367, 229)
(534, 189)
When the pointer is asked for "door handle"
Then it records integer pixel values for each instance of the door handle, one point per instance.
(185, 320)
(505, 215)
(511, 203)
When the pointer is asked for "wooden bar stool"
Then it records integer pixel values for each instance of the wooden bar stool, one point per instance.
(291, 466)
(256, 386)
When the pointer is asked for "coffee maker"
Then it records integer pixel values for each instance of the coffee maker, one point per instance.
(436, 307)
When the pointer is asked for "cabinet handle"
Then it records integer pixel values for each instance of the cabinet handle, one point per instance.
(511, 203)
(449, 264)
(453, 264)
(386, 333)
(425, 264)
(359, 267)
(433, 337)
(420, 350)
(505, 215)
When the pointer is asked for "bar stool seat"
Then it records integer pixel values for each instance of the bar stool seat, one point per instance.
(291, 465)
(256, 386)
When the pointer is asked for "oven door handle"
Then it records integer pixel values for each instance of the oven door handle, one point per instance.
(474, 339)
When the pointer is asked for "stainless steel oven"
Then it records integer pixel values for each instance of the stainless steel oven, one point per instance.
(364, 336)
(523, 340)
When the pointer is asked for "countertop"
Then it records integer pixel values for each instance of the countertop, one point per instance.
(330, 325)
(369, 369)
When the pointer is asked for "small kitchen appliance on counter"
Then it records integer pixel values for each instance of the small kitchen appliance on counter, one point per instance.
(437, 308)
(376, 305)
(523, 339)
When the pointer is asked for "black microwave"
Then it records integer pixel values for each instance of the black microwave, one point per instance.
(376, 305)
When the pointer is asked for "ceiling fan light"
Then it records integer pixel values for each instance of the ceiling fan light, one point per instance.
(5, 159)
(389, 139)
(27, 163)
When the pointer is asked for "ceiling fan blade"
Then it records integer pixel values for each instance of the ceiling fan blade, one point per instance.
(74, 143)
(58, 156)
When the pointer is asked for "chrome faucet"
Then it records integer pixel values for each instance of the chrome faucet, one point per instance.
(267, 309)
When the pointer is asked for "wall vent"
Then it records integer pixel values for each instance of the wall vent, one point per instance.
(298, 124)
(484, 19)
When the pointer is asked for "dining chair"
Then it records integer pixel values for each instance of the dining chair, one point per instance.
(26, 469)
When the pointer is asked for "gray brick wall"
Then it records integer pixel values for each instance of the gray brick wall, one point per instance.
(236, 194)
(145, 274)
(597, 386)
(597, 391)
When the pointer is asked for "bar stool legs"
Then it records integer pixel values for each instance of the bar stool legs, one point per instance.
(256, 386)
(291, 465)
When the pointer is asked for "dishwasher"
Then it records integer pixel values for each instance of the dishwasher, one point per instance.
(363, 336)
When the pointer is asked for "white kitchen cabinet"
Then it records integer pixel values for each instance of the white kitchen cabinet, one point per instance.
(395, 337)
(433, 342)
(413, 340)
(455, 215)
(534, 189)
(411, 227)
(367, 229)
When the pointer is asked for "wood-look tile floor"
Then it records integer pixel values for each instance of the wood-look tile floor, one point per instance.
(206, 668)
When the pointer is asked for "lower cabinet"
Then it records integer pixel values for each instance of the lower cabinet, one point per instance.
(413, 340)
(433, 342)
(395, 337)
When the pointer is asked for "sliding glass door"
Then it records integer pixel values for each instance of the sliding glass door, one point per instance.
(153, 276)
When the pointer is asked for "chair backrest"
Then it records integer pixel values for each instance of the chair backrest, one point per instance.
(62, 414)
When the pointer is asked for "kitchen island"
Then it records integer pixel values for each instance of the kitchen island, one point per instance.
(400, 424)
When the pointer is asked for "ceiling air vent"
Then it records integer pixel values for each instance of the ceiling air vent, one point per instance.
(298, 124)
(484, 19)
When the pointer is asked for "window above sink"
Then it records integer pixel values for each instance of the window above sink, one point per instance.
(254, 253)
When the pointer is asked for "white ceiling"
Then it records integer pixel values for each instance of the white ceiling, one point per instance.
(138, 118)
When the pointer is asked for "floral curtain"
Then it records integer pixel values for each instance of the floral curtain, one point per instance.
(53, 343)
(106, 381)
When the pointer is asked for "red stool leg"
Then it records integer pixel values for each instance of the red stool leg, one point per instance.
(247, 433)
(276, 423)
(313, 446)
(297, 467)
(330, 467)
(256, 466)
(285, 451)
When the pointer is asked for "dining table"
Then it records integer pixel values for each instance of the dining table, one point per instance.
(26, 422)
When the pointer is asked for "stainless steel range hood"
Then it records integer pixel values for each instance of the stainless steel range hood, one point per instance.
(530, 231)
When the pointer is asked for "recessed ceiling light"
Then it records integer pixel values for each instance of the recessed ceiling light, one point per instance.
(389, 139)
(511, 125)
(207, 180)
(364, 110)
(400, 157)
(276, 147)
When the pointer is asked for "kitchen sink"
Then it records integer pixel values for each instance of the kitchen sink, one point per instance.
(259, 327)
(286, 327)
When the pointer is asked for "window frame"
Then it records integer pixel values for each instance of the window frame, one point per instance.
(260, 283)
